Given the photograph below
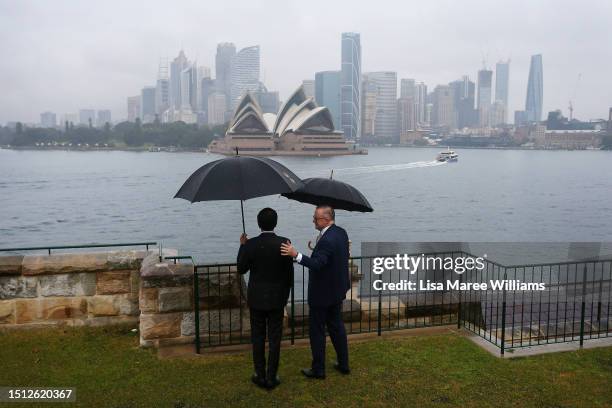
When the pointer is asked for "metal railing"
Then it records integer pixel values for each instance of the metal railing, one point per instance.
(49, 248)
(574, 306)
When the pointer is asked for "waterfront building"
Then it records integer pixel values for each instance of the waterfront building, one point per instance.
(300, 128)
(420, 102)
(223, 69)
(484, 96)
(502, 83)
(103, 117)
(69, 118)
(87, 117)
(216, 105)
(571, 139)
(520, 118)
(497, 113)
(244, 73)
(428, 114)
(48, 120)
(177, 67)
(535, 90)
(444, 114)
(464, 97)
(386, 104)
(147, 104)
(327, 93)
(309, 87)
(162, 88)
(207, 87)
(406, 116)
(369, 97)
(350, 85)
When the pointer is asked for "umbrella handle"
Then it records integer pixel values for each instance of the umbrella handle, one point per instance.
(242, 212)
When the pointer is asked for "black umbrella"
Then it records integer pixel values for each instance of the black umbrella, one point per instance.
(238, 178)
(325, 191)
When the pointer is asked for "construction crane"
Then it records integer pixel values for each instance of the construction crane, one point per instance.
(573, 97)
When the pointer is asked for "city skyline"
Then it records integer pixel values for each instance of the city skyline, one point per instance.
(100, 67)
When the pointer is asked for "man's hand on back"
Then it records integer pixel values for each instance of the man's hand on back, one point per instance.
(288, 250)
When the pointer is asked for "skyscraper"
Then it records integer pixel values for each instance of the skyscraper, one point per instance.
(485, 77)
(350, 85)
(133, 108)
(502, 80)
(216, 108)
(309, 87)
(207, 88)
(147, 104)
(369, 94)
(244, 73)
(386, 104)
(443, 113)
(407, 88)
(535, 90)
(176, 69)
(406, 116)
(327, 93)
(420, 103)
(463, 94)
(162, 88)
(223, 69)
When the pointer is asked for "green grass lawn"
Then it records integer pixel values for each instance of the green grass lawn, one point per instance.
(108, 369)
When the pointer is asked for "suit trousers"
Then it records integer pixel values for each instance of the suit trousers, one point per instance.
(330, 317)
(270, 321)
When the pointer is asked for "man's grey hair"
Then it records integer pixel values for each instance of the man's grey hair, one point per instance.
(327, 210)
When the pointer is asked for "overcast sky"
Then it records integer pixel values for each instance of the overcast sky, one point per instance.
(66, 55)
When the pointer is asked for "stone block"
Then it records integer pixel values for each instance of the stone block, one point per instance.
(128, 305)
(32, 310)
(10, 265)
(17, 287)
(147, 300)
(134, 282)
(64, 263)
(217, 321)
(68, 284)
(156, 326)
(124, 260)
(112, 282)
(175, 299)
(7, 312)
(103, 305)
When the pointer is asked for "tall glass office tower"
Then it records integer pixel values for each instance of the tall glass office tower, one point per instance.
(244, 73)
(535, 90)
(351, 83)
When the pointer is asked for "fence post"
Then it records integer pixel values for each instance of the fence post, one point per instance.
(503, 333)
(293, 313)
(583, 305)
(196, 308)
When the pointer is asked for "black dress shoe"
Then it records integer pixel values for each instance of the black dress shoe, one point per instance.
(272, 383)
(311, 374)
(342, 370)
(258, 381)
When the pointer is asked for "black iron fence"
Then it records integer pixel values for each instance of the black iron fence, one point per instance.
(574, 304)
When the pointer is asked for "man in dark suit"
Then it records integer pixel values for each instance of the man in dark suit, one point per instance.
(328, 282)
(270, 281)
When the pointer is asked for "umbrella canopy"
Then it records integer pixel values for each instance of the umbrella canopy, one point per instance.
(238, 178)
(338, 195)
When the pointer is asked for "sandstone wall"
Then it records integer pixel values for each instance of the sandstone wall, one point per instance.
(69, 289)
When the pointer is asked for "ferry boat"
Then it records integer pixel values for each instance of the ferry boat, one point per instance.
(447, 156)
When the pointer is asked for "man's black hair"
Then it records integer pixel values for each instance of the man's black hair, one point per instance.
(266, 219)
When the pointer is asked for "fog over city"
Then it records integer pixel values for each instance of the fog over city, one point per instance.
(63, 56)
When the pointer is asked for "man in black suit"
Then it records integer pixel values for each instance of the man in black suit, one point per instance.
(270, 281)
(328, 282)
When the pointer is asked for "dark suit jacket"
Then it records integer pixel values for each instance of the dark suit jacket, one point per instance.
(328, 278)
(271, 275)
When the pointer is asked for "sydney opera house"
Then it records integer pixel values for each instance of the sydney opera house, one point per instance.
(301, 128)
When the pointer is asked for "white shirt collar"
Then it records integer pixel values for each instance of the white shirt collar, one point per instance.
(325, 229)
(267, 232)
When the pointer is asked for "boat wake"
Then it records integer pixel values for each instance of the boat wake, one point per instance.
(381, 168)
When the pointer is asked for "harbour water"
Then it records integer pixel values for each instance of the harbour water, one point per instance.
(67, 197)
